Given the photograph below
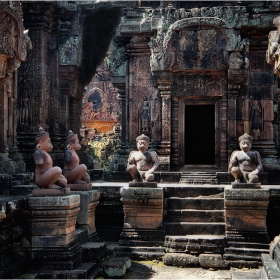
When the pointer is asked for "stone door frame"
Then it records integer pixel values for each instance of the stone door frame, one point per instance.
(183, 101)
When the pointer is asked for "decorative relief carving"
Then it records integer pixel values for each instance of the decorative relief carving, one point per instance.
(70, 52)
(231, 109)
(197, 21)
(166, 106)
(261, 92)
(101, 108)
(238, 60)
(10, 33)
(262, 78)
(232, 128)
(267, 131)
(268, 111)
(199, 85)
(256, 117)
(3, 66)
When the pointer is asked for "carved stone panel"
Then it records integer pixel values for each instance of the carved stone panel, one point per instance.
(199, 85)
(144, 102)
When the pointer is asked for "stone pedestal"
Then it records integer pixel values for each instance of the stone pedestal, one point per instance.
(79, 187)
(51, 192)
(53, 244)
(246, 185)
(246, 231)
(86, 215)
(143, 216)
(142, 184)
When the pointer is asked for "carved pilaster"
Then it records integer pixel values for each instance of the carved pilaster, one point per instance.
(165, 94)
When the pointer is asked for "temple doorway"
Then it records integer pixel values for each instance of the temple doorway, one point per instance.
(200, 134)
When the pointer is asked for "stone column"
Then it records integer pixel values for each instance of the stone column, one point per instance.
(52, 223)
(143, 216)
(165, 145)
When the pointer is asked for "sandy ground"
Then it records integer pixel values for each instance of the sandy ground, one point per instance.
(153, 270)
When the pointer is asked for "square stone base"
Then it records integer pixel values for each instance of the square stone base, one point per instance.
(51, 192)
(79, 187)
(246, 185)
(142, 184)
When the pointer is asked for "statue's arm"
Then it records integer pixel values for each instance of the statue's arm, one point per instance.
(68, 155)
(131, 159)
(233, 161)
(259, 167)
(38, 157)
(155, 160)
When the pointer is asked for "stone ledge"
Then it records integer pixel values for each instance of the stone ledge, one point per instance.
(117, 266)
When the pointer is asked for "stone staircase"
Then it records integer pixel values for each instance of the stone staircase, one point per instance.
(194, 221)
(198, 178)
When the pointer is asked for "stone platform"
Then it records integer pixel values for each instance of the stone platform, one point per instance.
(52, 223)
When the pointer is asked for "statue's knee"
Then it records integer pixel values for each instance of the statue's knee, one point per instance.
(149, 177)
(235, 171)
(253, 178)
(57, 170)
(131, 168)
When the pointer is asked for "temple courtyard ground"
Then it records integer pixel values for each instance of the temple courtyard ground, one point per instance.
(157, 270)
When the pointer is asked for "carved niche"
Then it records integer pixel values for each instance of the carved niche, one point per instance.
(101, 109)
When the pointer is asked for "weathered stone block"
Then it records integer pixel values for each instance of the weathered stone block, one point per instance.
(53, 228)
(51, 192)
(142, 184)
(180, 259)
(211, 260)
(246, 186)
(143, 207)
(60, 202)
(53, 241)
(86, 215)
(79, 187)
(95, 252)
(116, 267)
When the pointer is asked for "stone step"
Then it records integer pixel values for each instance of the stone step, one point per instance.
(140, 253)
(190, 215)
(246, 251)
(198, 178)
(191, 228)
(196, 181)
(195, 203)
(271, 270)
(233, 244)
(95, 252)
(242, 258)
(195, 244)
(192, 190)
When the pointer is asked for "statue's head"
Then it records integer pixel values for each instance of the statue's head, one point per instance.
(245, 142)
(43, 141)
(142, 142)
(72, 141)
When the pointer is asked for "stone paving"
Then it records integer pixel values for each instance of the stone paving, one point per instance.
(156, 270)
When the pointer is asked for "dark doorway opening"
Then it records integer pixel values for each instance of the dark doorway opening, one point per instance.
(200, 134)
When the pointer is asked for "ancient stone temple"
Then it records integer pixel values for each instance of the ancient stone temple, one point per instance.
(192, 76)
(196, 74)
